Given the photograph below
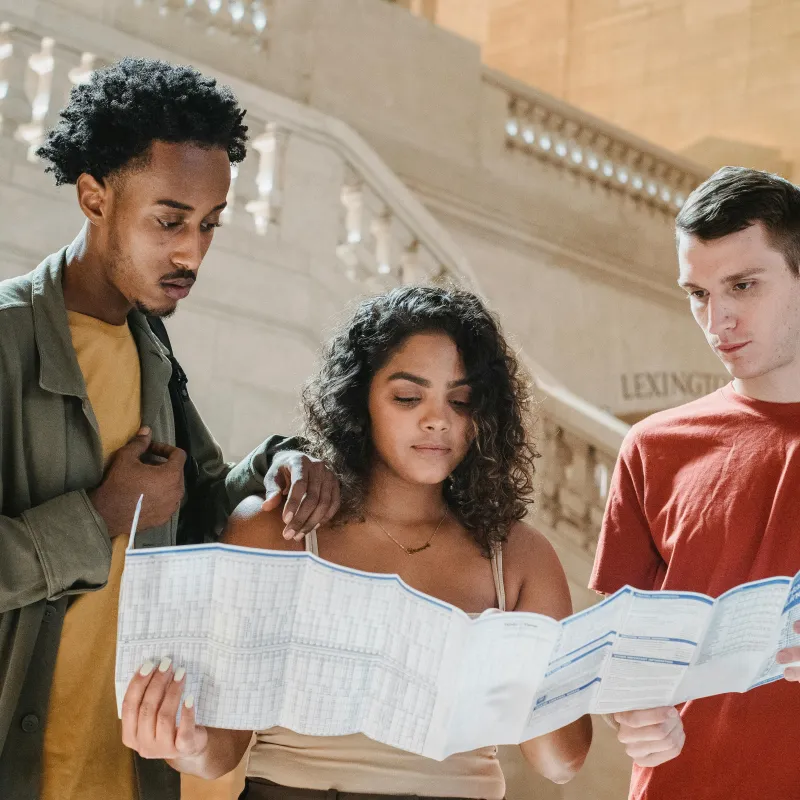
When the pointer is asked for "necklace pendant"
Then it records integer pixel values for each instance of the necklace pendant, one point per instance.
(412, 550)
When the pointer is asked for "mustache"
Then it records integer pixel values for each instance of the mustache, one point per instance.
(180, 274)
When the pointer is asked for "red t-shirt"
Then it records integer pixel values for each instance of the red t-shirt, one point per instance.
(705, 497)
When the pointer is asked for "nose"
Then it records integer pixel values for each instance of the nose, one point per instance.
(719, 317)
(190, 250)
(436, 418)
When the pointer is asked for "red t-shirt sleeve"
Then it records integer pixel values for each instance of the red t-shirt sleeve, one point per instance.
(626, 552)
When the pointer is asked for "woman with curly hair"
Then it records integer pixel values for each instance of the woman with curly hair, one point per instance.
(421, 410)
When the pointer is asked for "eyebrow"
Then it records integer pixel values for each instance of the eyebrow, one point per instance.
(183, 207)
(731, 279)
(424, 382)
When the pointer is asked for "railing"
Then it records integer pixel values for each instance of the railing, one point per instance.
(593, 150)
(245, 20)
(386, 238)
(579, 445)
(36, 75)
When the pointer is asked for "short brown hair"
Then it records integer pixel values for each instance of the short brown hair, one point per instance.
(734, 198)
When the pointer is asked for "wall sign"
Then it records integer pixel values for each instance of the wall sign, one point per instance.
(662, 385)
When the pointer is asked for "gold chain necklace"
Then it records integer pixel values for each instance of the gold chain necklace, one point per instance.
(409, 551)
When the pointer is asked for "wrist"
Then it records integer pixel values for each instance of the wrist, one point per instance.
(98, 500)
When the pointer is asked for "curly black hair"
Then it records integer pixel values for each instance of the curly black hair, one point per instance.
(492, 487)
(111, 121)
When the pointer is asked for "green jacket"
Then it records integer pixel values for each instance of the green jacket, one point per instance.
(52, 542)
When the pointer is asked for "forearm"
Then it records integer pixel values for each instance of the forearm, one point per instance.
(222, 753)
(59, 547)
(221, 485)
(559, 755)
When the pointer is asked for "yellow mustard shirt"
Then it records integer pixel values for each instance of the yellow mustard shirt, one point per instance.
(84, 758)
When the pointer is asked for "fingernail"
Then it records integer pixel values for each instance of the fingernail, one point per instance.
(299, 536)
(179, 673)
(143, 431)
(164, 665)
(287, 534)
(288, 517)
(189, 701)
(673, 712)
(146, 669)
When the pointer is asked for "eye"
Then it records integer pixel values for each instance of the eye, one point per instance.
(167, 224)
(743, 286)
(698, 294)
(461, 403)
(207, 227)
(405, 401)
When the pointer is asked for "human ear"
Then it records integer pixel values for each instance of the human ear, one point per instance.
(92, 197)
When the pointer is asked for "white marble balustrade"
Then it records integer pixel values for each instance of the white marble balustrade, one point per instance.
(244, 20)
(553, 131)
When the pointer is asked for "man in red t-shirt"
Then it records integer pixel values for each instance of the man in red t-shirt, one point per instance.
(705, 496)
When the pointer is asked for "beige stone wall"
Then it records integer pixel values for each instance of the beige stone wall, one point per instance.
(714, 79)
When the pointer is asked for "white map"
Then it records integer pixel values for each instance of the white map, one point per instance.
(277, 638)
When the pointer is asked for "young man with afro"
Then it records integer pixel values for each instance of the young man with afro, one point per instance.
(88, 417)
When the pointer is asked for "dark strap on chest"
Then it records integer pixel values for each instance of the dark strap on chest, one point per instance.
(179, 397)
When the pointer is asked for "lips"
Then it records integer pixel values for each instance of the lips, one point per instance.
(728, 349)
(177, 290)
(431, 449)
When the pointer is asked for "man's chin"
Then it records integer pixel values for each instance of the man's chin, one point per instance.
(163, 312)
(743, 372)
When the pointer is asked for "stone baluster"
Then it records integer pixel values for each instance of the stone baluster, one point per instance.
(65, 73)
(240, 18)
(352, 197)
(411, 271)
(269, 178)
(578, 494)
(219, 19)
(556, 457)
(353, 202)
(83, 72)
(381, 229)
(259, 21)
(16, 103)
(41, 67)
(588, 142)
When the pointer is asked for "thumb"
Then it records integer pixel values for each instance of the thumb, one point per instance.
(272, 501)
(190, 738)
(141, 442)
(274, 487)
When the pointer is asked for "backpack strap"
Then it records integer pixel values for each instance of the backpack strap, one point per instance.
(179, 396)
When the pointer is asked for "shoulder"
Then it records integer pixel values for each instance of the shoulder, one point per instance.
(16, 292)
(685, 425)
(682, 418)
(250, 526)
(17, 338)
(16, 306)
(532, 565)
